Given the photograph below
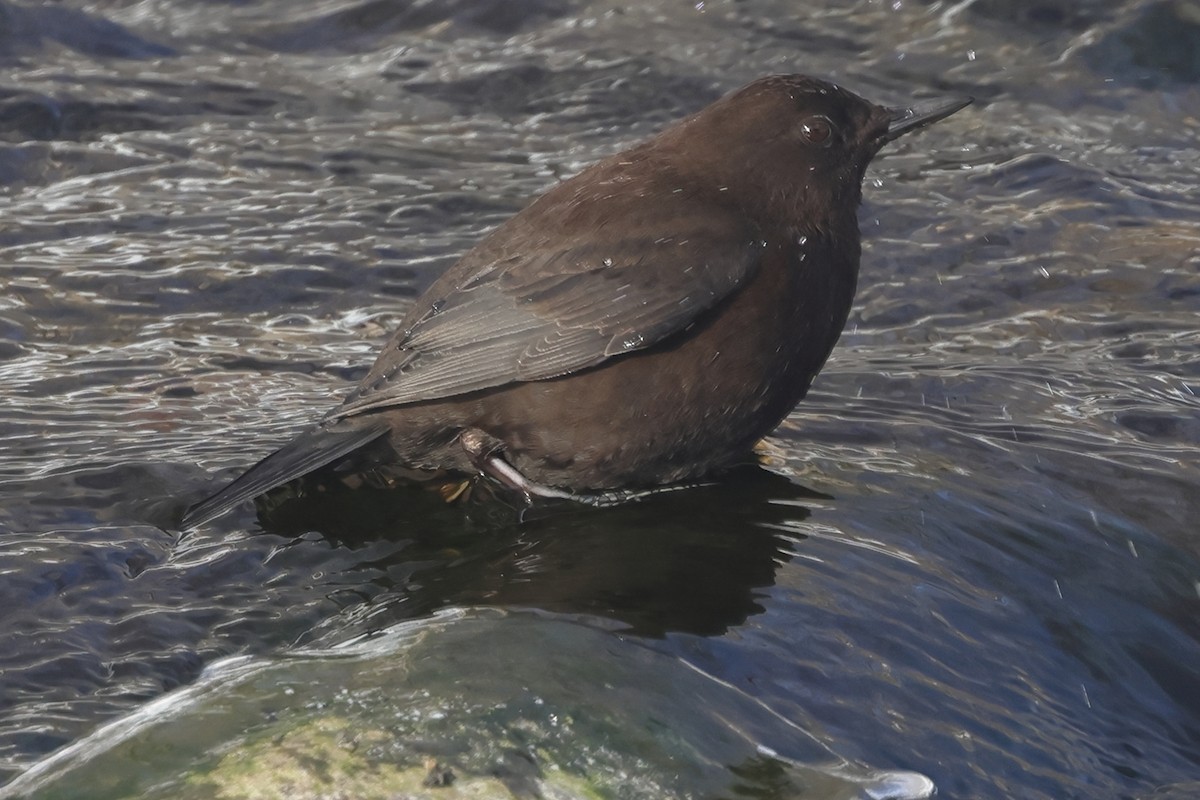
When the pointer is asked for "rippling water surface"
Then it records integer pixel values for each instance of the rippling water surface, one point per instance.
(973, 554)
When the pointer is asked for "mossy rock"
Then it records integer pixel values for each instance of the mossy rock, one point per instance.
(468, 704)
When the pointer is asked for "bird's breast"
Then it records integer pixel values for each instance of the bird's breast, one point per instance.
(695, 401)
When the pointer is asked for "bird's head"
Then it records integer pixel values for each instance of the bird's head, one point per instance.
(794, 147)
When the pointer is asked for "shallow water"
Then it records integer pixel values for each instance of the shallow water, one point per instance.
(973, 553)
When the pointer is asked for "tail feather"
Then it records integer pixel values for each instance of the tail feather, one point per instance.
(309, 451)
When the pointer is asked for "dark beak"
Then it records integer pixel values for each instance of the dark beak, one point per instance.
(918, 115)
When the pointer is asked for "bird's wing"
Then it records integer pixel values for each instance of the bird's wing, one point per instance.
(309, 451)
(533, 302)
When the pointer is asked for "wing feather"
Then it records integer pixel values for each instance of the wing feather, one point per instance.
(556, 290)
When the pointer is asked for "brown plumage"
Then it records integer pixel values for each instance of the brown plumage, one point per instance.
(642, 323)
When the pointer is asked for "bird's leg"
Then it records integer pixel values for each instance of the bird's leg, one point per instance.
(486, 458)
(484, 452)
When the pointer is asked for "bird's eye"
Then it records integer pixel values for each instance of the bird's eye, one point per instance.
(817, 131)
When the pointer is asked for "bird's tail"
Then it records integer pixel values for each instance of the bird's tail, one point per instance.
(309, 451)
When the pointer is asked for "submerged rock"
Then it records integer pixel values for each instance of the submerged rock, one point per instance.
(468, 704)
(332, 758)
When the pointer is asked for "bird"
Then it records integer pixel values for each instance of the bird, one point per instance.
(642, 324)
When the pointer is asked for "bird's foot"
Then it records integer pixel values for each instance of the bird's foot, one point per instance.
(616, 497)
(487, 459)
(455, 490)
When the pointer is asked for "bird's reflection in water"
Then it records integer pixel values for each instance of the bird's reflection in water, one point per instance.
(692, 560)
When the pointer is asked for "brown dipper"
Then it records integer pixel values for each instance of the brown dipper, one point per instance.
(641, 324)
